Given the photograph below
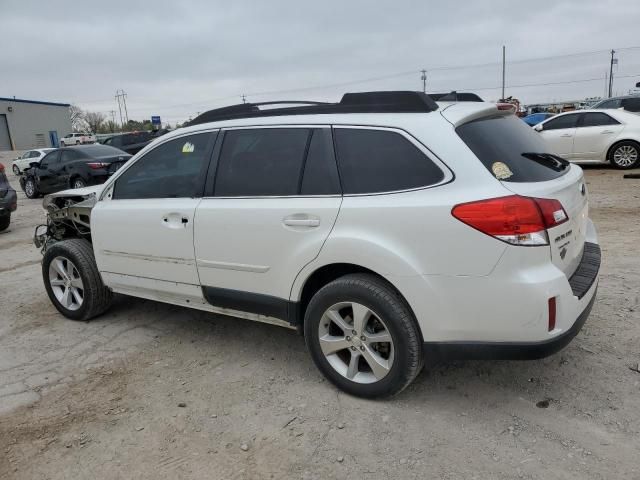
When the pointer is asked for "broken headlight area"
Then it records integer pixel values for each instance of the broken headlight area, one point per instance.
(68, 216)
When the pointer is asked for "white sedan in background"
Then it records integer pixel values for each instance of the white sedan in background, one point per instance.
(24, 160)
(595, 136)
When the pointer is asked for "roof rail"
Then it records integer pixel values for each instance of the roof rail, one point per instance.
(360, 102)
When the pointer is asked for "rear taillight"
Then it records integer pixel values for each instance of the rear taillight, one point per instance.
(1, 168)
(514, 219)
(97, 165)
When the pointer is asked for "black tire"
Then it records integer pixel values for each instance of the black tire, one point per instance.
(77, 182)
(377, 295)
(5, 220)
(96, 298)
(31, 191)
(16, 170)
(629, 145)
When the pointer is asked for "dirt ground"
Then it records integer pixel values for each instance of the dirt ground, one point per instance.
(154, 391)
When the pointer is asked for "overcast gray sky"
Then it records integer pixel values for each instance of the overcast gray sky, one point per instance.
(175, 59)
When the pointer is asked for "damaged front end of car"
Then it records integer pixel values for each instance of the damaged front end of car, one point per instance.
(68, 216)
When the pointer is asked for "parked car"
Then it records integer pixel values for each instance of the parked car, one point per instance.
(28, 157)
(387, 238)
(130, 142)
(599, 136)
(535, 118)
(77, 139)
(8, 200)
(72, 167)
(630, 103)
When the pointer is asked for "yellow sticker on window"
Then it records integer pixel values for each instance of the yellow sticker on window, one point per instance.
(501, 170)
(188, 147)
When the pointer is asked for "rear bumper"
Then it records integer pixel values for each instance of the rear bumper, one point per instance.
(583, 283)
(447, 351)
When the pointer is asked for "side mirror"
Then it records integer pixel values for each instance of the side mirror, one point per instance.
(35, 164)
(538, 127)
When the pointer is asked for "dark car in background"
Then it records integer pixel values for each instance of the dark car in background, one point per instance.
(132, 142)
(8, 200)
(630, 103)
(72, 167)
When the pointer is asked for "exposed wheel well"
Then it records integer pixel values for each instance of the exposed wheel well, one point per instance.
(613, 147)
(327, 274)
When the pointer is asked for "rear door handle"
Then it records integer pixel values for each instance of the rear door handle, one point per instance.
(301, 220)
(606, 132)
(566, 135)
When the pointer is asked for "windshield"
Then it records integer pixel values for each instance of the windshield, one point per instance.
(511, 150)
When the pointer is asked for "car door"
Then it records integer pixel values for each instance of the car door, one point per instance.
(273, 203)
(595, 133)
(142, 228)
(46, 172)
(559, 132)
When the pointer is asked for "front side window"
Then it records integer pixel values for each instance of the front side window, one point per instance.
(50, 159)
(175, 169)
(261, 162)
(564, 121)
(375, 161)
(596, 119)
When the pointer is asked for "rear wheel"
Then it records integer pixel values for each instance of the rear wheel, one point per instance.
(5, 220)
(30, 188)
(363, 336)
(16, 170)
(625, 155)
(72, 280)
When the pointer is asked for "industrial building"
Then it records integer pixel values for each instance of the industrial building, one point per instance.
(26, 124)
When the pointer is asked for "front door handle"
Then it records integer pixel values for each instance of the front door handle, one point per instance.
(301, 220)
(566, 135)
(606, 132)
(175, 220)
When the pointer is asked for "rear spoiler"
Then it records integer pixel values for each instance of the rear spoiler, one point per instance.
(460, 113)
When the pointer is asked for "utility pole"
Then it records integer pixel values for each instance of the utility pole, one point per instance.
(613, 60)
(119, 107)
(244, 98)
(503, 68)
(121, 98)
(423, 77)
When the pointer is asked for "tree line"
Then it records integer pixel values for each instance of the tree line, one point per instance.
(97, 122)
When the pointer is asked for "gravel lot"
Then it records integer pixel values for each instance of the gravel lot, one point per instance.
(154, 391)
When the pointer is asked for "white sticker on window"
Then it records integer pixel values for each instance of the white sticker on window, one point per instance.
(501, 170)
(188, 147)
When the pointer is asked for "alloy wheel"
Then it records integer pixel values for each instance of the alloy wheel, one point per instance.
(16, 170)
(29, 188)
(625, 155)
(66, 283)
(78, 183)
(356, 342)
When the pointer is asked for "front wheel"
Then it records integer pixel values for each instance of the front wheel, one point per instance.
(30, 188)
(363, 336)
(625, 155)
(78, 183)
(5, 220)
(72, 280)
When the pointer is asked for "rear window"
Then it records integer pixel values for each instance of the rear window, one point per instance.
(511, 150)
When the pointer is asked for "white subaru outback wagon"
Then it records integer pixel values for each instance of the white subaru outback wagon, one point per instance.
(390, 230)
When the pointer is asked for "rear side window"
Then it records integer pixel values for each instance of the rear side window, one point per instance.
(69, 155)
(320, 171)
(631, 104)
(375, 161)
(175, 169)
(565, 121)
(595, 119)
(261, 162)
(511, 150)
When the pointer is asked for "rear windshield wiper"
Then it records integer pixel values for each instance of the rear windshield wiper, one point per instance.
(550, 160)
